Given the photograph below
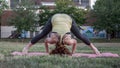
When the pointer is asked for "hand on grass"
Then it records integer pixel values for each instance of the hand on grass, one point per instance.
(97, 52)
(25, 50)
(95, 49)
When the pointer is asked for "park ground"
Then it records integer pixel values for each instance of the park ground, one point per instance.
(9, 61)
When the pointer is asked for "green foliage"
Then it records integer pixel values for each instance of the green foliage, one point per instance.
(107, 13)
(68, 7)
(23, 20)
(24, 17)
(3, 5)
(63, 6)
(44, 15)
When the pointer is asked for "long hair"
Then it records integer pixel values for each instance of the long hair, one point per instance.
(59, 42)
(60, 48)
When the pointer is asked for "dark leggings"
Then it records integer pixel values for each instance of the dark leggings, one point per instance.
(48, 28)
(75, 30)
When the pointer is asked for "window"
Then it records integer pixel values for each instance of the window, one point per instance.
(13, 3)
(84, 2)
(75, 0)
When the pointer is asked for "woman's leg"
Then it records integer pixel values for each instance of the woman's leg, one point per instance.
(47, 28)
(76, 32)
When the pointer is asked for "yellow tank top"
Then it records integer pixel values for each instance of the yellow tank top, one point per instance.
(61, 23)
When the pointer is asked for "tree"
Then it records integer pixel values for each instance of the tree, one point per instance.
(107, 14)
(3, 5)
(24, 17)
(44, 15)
(68, 7)
(63, 6)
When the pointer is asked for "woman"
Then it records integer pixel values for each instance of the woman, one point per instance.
(61, 24)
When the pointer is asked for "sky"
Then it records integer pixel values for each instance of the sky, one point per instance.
(92, 3)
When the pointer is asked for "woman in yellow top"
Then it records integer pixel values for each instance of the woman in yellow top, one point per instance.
(61, 24)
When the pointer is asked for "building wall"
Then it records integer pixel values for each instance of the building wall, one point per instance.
(5, 17)
(6, 31)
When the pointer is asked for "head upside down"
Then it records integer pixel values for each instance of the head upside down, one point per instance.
(60, 47)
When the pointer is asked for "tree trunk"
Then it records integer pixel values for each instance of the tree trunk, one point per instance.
(108, 36)
(0, 26)
(31, 34)
(113, 34)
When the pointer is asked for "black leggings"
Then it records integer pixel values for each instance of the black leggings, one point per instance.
(76, 31)
(48, 28)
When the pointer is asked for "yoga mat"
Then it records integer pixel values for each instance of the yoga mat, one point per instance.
(29, 54)
(107, 54)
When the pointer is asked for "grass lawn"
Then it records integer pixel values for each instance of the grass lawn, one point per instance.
(9, 61)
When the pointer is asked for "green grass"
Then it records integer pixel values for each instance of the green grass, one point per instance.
(102, 40)
(9, 61)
